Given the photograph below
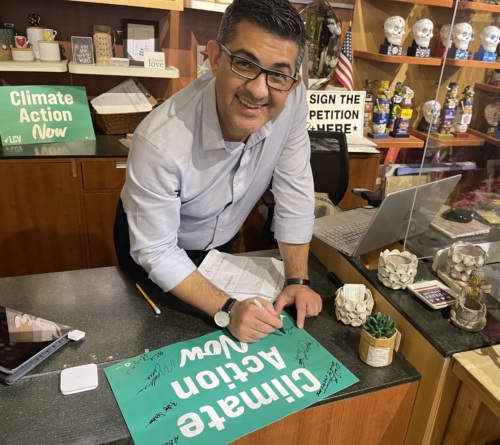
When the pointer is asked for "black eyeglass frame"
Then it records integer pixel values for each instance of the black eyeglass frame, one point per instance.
(262, 70)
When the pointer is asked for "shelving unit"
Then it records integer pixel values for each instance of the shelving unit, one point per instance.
(132, 70)
(36, 66)
(471, 141)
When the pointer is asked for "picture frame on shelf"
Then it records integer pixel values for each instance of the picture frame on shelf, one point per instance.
(82, 49)
(139, 36)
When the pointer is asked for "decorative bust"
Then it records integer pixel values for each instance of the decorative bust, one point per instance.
(489, 38)
(422, 34)
(394, 30)
(430, 112)
(492, 116)
(462, 35)
(464, 112)
(444, 41)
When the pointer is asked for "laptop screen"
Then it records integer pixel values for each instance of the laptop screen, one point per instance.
(24, 336)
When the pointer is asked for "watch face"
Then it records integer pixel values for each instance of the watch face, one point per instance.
(221, 319)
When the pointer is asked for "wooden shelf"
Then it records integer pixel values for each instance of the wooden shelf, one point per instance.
(36, 66)
(205, 6)
(488, 88)
(471, 141)
(172, 5)
(476, 6)
(433, 61)
(462, 4)
(390, 142)
(472, 64)
(440, 3)
(133, 70)
(485, 137)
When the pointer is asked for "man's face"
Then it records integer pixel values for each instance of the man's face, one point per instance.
(244, 105)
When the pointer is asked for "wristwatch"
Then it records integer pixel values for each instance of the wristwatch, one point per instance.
(222, 317)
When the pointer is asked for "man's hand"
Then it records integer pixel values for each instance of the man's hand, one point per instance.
(307, 302)
(250, 323)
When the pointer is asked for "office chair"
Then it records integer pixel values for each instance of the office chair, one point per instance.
(330, 169)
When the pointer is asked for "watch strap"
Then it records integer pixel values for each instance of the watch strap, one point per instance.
(303, 281)
(226, 307)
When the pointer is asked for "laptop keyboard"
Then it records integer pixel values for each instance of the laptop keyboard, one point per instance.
(345, 234)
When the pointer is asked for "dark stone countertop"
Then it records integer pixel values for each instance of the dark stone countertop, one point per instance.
(435, 325)
(119, 324)
(103, 146)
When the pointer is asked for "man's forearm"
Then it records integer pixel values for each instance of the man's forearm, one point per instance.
(295, 258)
(197, 291)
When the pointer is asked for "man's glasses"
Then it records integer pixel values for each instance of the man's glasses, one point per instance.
(251, 70)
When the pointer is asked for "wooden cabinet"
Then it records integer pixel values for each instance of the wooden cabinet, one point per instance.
(102, 181)
(40, 229)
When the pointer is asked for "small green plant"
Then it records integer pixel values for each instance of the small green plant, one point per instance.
(380, 325)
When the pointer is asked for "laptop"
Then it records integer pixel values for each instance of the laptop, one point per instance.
(358, 231)
(25, 341)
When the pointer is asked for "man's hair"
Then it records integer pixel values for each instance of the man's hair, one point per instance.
(277, 17)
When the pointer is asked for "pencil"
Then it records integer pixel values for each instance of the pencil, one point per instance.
(261, 306)
(145, 295)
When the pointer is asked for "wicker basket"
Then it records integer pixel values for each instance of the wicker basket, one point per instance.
(121, 123)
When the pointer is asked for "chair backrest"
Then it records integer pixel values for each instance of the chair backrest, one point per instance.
(330, 163)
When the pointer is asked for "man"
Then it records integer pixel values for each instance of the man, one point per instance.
(199, 163)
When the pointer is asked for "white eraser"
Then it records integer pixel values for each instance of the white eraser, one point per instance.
(79, 379)
(76, 335)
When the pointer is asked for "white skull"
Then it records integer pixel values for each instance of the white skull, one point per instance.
(431, 110)
(422, 32)
(492, 113)
(489, 37)
(394, 29)
(462, 35)
(445, 35)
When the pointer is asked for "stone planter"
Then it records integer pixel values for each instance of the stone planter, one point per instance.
(396, 269)
(463, 258)
(376, 352)
(353, 311)
(468, 314)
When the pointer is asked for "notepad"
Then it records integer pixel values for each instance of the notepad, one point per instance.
(129, 96)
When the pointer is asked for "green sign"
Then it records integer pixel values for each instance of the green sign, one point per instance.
(43, 114)
(214, 389)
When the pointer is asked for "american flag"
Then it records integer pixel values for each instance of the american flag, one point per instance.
(343, 72)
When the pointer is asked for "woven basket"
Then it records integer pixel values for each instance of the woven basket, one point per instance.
(120, 123)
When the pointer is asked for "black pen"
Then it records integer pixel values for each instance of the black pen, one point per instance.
(261, 306)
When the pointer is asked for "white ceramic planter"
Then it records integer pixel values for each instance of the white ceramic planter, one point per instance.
(353, 312)
(396, 269)
(463, 258)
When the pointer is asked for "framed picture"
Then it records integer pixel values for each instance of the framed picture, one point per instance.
(139, 36)
(83, 50)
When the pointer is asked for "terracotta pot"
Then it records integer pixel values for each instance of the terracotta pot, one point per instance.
(376, 352)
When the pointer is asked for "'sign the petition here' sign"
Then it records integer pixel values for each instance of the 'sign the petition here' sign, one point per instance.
(339, 111)
(44, 114)
(214, 389)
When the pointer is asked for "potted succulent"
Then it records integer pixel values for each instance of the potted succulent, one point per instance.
(378, 336)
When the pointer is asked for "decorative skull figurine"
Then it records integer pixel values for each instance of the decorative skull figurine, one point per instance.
(492, 113)
(489, 37)
(445, 35)
(462, 34)
(423, 32)
(394, 29)
(431, 110)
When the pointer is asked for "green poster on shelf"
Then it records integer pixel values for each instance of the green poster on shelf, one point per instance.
(44, 114)
(214, 389)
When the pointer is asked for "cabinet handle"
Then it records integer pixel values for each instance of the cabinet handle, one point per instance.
(121, 165)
